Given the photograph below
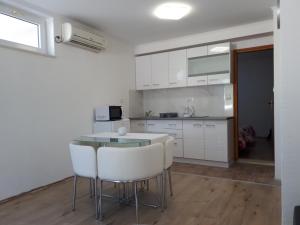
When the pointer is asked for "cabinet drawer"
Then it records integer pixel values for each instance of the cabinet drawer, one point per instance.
(155, 126)
(172, 124)
(197, 81)
(173, 133)
(223, 78)
(178, 149)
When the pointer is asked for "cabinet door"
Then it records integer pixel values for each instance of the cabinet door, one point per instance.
(197, 81)
(143, 72)
(223, 78)
(160, 70)
(177, 68)
(193, 134)
(138, 126)
(216, 146)
(218, 48)
(197, 52)
(178, 150)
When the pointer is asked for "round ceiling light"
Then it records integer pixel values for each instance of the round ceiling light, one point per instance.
(172, 11)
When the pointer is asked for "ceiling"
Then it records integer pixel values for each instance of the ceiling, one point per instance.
(133, 22)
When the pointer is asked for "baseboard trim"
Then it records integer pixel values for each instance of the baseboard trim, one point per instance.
(202, 162)
(3, 201)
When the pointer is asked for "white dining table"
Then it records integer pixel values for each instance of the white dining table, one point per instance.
(152, 137)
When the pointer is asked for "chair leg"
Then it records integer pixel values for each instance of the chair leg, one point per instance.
(74, 191)
(163, 196)
(100, 201)
(136, 202)
(96, 197)
(148, 185)
(170, 181)
(91, 188)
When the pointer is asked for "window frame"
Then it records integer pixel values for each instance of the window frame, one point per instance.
(27, 16)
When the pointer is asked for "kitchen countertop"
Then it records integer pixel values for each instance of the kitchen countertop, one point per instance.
(184, 118)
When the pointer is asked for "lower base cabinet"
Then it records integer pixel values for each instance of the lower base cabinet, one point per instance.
(216, 141)
(210, 140)
(193, 134)
(178, 151)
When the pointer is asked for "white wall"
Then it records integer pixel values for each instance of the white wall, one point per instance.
(46, 102)
(226, 34)
(289, 106)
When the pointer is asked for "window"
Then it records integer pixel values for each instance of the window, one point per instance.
(19, 31)
(25, 30)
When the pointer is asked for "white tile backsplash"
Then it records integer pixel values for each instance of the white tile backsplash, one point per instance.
(215, 100)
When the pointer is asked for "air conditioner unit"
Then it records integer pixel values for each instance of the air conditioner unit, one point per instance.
(79, 37)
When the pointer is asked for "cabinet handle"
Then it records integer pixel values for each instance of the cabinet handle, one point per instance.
(146, 85)
(210, 125)
(172, 124)
(149, 124)
(156, 84)
(200, 81)
(214, 79)
(172, 82)
(197, 125)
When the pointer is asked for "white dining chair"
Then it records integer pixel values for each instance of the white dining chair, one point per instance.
(84, 161)
(168, 161)
(129, 165)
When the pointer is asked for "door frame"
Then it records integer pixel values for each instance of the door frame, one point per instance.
(235, 53)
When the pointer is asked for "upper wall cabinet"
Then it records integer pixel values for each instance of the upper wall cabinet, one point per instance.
(160, 70)
(143, 72)
(209, 65)
(218, 48)
(177, 69)
(205, 65)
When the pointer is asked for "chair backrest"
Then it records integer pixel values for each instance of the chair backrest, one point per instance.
(130, 164)
(169, 149)
(84, 160)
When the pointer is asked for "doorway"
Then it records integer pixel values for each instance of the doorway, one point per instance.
(254, 97)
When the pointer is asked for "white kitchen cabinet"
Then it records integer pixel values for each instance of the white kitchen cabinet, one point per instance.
(138, 126)
(171, 127)
(197, 81)
(218, 48)
(178, 150)
(216, 141)
(160, 70)
(223, 78)
(143, 72)
(197, 52)
(193, 134)
(177, 68)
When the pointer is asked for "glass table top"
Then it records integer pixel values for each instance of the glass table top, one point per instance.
(111, 142)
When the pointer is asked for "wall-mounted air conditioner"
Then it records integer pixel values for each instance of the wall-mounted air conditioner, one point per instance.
(82, 38)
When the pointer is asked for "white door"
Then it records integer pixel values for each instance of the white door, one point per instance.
(177, 68)
(160, 70)
(143, 72)
(193, 135)
(216, 145)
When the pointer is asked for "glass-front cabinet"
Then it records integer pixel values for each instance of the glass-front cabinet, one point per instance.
(209, 65)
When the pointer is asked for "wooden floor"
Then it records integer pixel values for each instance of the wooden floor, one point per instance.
(198, 200)
(238, 171)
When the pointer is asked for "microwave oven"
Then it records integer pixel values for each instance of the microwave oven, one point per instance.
(106, 113)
